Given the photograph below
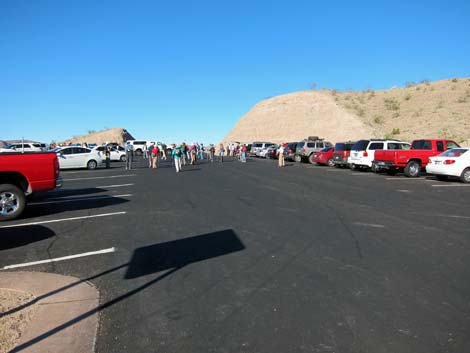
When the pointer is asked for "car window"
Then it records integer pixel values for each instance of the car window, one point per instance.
(101, 148)
(451, 144)
(311, 144)
(454, 152)
(440, 146)
(66, 151)
(421, 145)
(77, 150)
(376, 146)
(320, 145)
(139, 142)
(37, 145)
(404, 146)
(360, 145)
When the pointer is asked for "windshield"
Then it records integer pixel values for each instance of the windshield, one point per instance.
(454, 152)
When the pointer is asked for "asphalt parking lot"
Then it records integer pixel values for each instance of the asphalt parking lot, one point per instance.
(239, 257)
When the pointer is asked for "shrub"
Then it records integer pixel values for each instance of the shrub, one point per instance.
(407, 97)
(391, 104)
(395, 115)
(396, 131)
(454, 80)
(462, 100)
(378, 119)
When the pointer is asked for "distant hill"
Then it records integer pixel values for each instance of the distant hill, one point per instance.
(427, 109)
(118, 135)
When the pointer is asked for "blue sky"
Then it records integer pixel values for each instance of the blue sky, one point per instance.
(187, 71)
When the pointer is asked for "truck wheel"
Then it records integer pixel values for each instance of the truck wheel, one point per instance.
(331, 162)
(465, 176)
(352, 166)
(138, 152)
(311, 159)
(298, 158)
(92, 164)
(123, 158)
(374, 168)
(412, 169)
(12, 202)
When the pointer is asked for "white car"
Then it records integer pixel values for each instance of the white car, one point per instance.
(139, 146)
(363, 151)
(117, 154)
(78, 157)
(454, 162)
(30, 147)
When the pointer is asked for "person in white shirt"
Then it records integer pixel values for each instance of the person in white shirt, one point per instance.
(281, 155)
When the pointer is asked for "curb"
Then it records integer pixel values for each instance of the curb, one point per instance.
(65, 321)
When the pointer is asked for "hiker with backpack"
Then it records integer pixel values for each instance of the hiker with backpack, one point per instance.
(177, 154)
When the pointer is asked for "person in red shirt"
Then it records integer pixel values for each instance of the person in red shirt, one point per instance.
(243, 150)
(154, 155)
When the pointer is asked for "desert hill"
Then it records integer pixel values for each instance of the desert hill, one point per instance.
(118, 135)
(427, 109)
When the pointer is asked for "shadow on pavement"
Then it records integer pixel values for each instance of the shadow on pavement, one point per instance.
(182, 252)
(67, 192)
(19, 236)
(58, 206)
(170, 256)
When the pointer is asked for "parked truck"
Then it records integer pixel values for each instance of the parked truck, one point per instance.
(23, 174)
(411, 161)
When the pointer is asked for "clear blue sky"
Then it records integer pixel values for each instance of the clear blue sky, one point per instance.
(188, 70)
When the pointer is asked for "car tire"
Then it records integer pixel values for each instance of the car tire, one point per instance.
(122, 158)
(373, 168)
(138, 152)
(412, 169)
(298, 158)
(311, 159)
(465, 176)
(331, 162)
(92, 164)
(352, 167)
(12, 202)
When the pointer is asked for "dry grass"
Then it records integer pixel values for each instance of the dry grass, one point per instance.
(12, 326)
(428, 109)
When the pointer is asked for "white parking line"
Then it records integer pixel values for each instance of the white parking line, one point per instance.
(103, 177)
(448, 185)
(104, 251)
(452, 216)
(403, 190)
(369, 225)
(406, 179)
(103, 197)
(114, 186)
(63, 219)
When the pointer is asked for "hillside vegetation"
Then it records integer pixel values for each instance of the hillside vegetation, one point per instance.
(428, 109)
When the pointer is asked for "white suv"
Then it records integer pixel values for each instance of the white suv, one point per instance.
(139, 146)
(363, 151)
(30, 147)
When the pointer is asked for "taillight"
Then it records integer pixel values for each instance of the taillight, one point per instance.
(449, 161)
(365, 154)
(56, 167)
(345, 153)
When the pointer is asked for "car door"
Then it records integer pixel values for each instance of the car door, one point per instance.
(81, 157)
(65, 158)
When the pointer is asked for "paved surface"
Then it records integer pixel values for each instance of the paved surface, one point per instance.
(60, 300)
(251, 258)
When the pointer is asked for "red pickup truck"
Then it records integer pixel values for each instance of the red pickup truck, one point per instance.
(413, 160)
(22, 174)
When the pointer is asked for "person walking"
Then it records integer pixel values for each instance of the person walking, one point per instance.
(243, 151)
(201, 152)
(163, 151)
(193, 151)
(281, 156)
(107, 154)
(177, 154)
(149, 153)
(221, 153)
(129, 155)
(146, 150)
(211, 152)
(154, 155)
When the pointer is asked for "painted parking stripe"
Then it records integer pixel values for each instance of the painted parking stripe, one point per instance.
(448, 185)
(103, 177)
(406, 179)
(64, 219)
(372, 225)
(114, 186)
(103, 197)
(91, 253)
(403, 190)
(452, 216)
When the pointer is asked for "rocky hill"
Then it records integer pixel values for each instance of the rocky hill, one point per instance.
(427, 109)
(118, 135)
